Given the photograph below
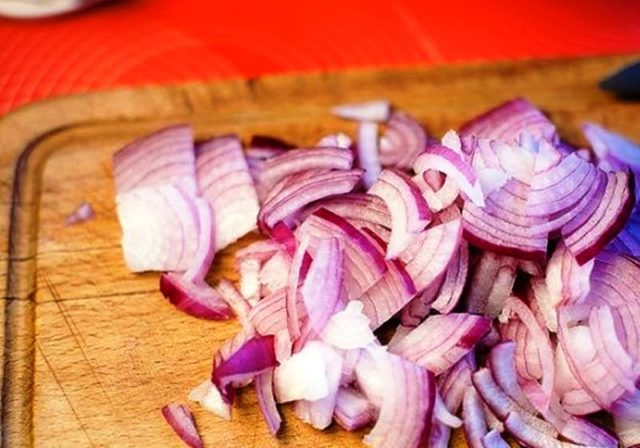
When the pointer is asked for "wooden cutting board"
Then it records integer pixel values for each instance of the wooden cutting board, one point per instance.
(91, 351)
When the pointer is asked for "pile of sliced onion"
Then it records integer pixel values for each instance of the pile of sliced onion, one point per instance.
(489, 282)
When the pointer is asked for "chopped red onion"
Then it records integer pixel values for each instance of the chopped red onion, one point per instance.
(254, 357)
(224, 180)
(491, 284)
(493, 439)
(626, 418)
(267, 402)
(441, 340)
(368, 152)
(165, 157)
(475, 424)
(406, 409)
(349, 329)
(84, 212)
(352, 411)
(404, 138)
(181, 421)
(195, 299)
(208, 396)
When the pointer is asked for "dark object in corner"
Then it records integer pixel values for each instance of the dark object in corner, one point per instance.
(625, 83)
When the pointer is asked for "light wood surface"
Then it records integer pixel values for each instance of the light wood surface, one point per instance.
(91, 352)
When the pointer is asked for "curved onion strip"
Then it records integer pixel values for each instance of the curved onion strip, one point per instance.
(493, 439)
(503, 369)
(586, 235)
(389, 294)
(375, 111)
(433, 200)
(164, 157)
(507, 121)
(442, 340)
(449, 162)
(254, 357)
(530, 436)
(540, 339)
(402, 141)
(628, 240)
(274, 273)
(269, 315)
(320, 291)
(364, 264)
(206, 243)
(406, 410)
(158, 227)
(475, 425)
(626, 418)
(298, 160)
(237, 303)
(452, 385)
(266, 401)
(586, 366)
(357, 206)
(368, 152)
(296, 195)
(353, 411)
(429, 254)
(502, 405)
(224, 180)
(295, 278)
(419, 307)
(181, 421)
(491, 284)
(409, 211)
(567, 281)
(195, 299)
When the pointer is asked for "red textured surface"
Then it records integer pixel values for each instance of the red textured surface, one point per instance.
(158, 41)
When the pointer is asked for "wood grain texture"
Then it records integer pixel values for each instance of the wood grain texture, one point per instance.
(91, 352)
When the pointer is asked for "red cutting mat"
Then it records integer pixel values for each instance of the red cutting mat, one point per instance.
(159, 41)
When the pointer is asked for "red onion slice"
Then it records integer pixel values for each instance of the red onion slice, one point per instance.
(236, 302)
(254, 357)
(402, 141)
(349, 329)
(374, 111)
(566, 280)
(267, 402)
(353, 411)
(503, 369)
(508, 120)
(368, 152)
(441, 340)
(364, 263)
(319, 413)
(447, 161)
(298, 160)
(491, 284)
(406, 409)
(195, 299)
(181, 421)
(626, 418)
(430, 253)
(208, 396)
(409, 211)
(320, 291)
(164, 157)
(158, 228)
(224, 180)
(303, 376)
(586, 235)
(541, 341)
(357, 206)
(205, 252)
(84, 212)
(475, 424)
(296, 195)
(493, 439)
